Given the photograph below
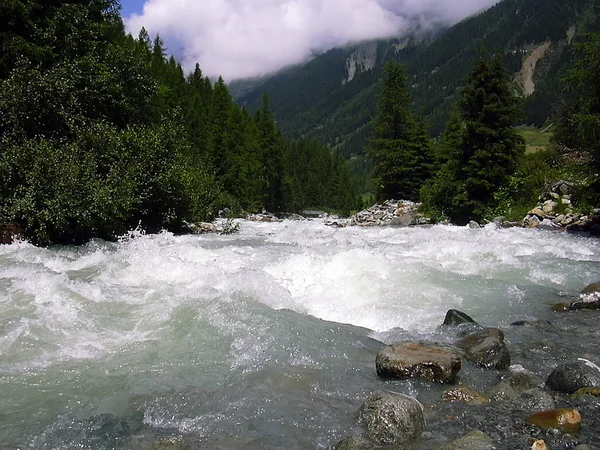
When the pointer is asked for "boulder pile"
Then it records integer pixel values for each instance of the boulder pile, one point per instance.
(555, 210)
(392, 212)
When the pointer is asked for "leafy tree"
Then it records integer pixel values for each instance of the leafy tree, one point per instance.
(401, 147)
(482, 145)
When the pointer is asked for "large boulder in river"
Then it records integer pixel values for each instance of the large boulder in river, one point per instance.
(571, 376)
(589, 298)
(391, 418)
(486, 348)
(424, 360)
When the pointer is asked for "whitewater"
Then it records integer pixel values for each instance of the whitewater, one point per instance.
(260, 339)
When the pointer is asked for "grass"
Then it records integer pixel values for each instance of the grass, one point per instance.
(536, 140)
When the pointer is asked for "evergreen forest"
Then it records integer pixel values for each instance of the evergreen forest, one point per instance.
(102, 132)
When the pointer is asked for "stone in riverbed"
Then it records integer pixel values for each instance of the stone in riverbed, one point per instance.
(455, 317)
(486, 348)
(589, 298)
(355, 443)
(390, 418)
(465, 395)
(424, 360)
(565, 419)
(571, 376)
(475, 440)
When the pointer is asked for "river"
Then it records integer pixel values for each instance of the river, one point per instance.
(260, 339)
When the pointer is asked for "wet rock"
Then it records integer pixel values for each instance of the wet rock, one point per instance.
(537, 324)
(455, 317)
(486, 348)
(424, 360)
(560, 307)
(591, 391)
(390, 418)
(534, 399)
(464, 395)
(475, 440)
(540, 444)
(8, 233)
(566, 419)
(473, 225)
(355, 443)
(571, 376)
(589, 298)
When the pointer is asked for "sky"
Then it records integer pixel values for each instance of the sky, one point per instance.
(249, 38)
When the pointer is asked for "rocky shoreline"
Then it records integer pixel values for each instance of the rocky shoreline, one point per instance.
(544, 414)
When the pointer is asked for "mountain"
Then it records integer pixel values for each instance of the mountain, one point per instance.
(334, 96)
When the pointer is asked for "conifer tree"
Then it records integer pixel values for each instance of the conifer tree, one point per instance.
(400, 148)
(487, 146)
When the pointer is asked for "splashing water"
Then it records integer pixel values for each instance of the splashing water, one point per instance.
(261, 339)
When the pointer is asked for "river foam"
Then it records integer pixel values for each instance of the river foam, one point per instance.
(85, 331)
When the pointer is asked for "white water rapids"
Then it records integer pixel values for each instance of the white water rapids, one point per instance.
(261, 339)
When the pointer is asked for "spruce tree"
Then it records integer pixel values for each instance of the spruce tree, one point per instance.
(400, 148)
(487, 145)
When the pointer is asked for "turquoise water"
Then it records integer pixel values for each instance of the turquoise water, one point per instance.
(262, 339)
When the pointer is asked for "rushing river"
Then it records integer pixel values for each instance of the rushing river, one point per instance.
(265, 338)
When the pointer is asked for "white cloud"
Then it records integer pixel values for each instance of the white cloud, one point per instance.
(244, 38)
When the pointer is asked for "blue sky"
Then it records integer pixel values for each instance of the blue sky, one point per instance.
(131, 6)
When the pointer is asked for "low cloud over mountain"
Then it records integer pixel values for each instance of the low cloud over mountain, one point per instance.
(246, 38)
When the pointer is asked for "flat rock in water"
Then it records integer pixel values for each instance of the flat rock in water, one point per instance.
(571, 376)
(486, 348)
(390, 418)
(475, 440)
(589, 298)
(424, 360)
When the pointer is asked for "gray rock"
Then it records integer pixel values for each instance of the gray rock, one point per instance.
(475, 440)
(423, 360)
(571, 376)
(533, 400)
(390, 418)
(486, 348)
(474, 225)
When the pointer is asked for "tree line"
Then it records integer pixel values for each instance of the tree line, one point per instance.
(478, 166)
(101, 132)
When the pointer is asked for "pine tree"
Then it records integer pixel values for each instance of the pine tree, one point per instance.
(400, 148)
(487, 146)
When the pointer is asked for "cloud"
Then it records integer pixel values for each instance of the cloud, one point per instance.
(246, 38)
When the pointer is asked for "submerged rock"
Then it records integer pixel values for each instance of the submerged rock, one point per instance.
(391, 418)
(486, 348)
(428, 361)
(475, 440)
(465, 395)
(355, 443)
(565, 419)
(571, 376)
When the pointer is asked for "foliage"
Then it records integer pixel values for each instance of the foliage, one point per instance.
(400, 148)
(102, 133)
(485, 147)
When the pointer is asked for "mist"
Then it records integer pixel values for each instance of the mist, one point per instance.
(249, 38)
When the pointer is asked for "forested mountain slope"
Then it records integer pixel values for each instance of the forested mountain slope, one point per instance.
(334, 96)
